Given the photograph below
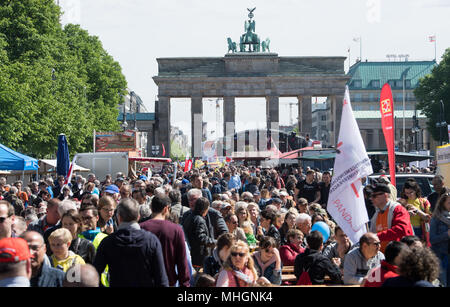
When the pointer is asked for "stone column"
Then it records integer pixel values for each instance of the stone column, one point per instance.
(304, 115)
(272, 110)
(273, 118)
(196, 125)
(337, 114)
(163, 126)
(229, 123)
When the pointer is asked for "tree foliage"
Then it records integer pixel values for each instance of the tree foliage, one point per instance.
(431, 90)
(53, 80)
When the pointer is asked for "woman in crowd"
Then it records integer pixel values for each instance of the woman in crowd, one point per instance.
(106, 221)
(71, 221)
(242, 212)
(439, 235)
(267, 260)
(289, 223)
(418, 267)
(239, 270)
(292, 248)
(253, 211)
(267, 227)
(66, 193)
(220, 254)
(302, 205)
(418, 207)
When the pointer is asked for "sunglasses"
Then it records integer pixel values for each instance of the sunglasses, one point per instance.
(234, 254)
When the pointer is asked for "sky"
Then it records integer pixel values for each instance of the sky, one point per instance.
(137, 32)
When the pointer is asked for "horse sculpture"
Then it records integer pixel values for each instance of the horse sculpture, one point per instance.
(231, 45)
(266, 45)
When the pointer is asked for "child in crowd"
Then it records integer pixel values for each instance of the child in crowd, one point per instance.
(248, 230)
(62, 258)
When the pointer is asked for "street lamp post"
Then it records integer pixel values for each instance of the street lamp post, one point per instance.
(124, 114)
(133, 103)
(442, 122)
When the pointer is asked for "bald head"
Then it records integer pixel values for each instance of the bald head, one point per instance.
(32, 236)
(82, 276)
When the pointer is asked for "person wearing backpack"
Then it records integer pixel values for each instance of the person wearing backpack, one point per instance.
(311, 267)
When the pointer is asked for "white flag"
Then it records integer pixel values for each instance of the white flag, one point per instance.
(356, 39)
(346, 200)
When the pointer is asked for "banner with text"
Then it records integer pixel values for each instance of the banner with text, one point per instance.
(346, 200)
(115, 141)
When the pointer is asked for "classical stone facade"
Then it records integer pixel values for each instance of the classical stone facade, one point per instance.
(248, 75)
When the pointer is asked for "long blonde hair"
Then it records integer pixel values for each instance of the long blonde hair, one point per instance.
(239, 244)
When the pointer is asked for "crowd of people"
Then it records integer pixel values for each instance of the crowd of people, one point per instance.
(233, 226)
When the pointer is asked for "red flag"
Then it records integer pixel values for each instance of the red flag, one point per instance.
(69, 174)
(387, 123)
(164, 150)
(187, 164)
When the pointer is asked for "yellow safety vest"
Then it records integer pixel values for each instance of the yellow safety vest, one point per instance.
(104, 278)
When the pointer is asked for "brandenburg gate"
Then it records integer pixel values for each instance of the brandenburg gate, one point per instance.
(251, 71)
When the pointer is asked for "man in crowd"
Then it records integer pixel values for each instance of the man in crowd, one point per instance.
(7, 219)
(308, 189)
(172, 241)
(337, 250)
(86, 277)
(303, 222)
(360, 260)
(49, 220)
(439, 190)
(197, 183)
(324, 188)
(391, 221)
(134, 256)
(15, 263)
(90, 231)
(214, 219)
(43, 274)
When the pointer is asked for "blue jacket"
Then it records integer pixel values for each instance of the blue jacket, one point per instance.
(134, 257)
(438, 236)
(48, 276)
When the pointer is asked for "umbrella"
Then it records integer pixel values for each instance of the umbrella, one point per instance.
(62, 156)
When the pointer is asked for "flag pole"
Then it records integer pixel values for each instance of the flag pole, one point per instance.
(360, 48)
(435, 41)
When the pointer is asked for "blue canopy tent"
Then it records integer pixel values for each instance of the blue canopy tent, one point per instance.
(13, 161)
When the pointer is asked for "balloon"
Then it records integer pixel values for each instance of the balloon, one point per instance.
(323, 228)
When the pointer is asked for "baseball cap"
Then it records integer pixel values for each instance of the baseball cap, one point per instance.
(225, 205)
(284, 193)
(112, 189)
(277, 200)
(13, 250)
(143, 177)
(381, 187)
(185, 181)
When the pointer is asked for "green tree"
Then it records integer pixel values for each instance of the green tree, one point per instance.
(53, 80)
(431, 90)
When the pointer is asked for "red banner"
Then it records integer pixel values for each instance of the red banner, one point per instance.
(387, 123)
